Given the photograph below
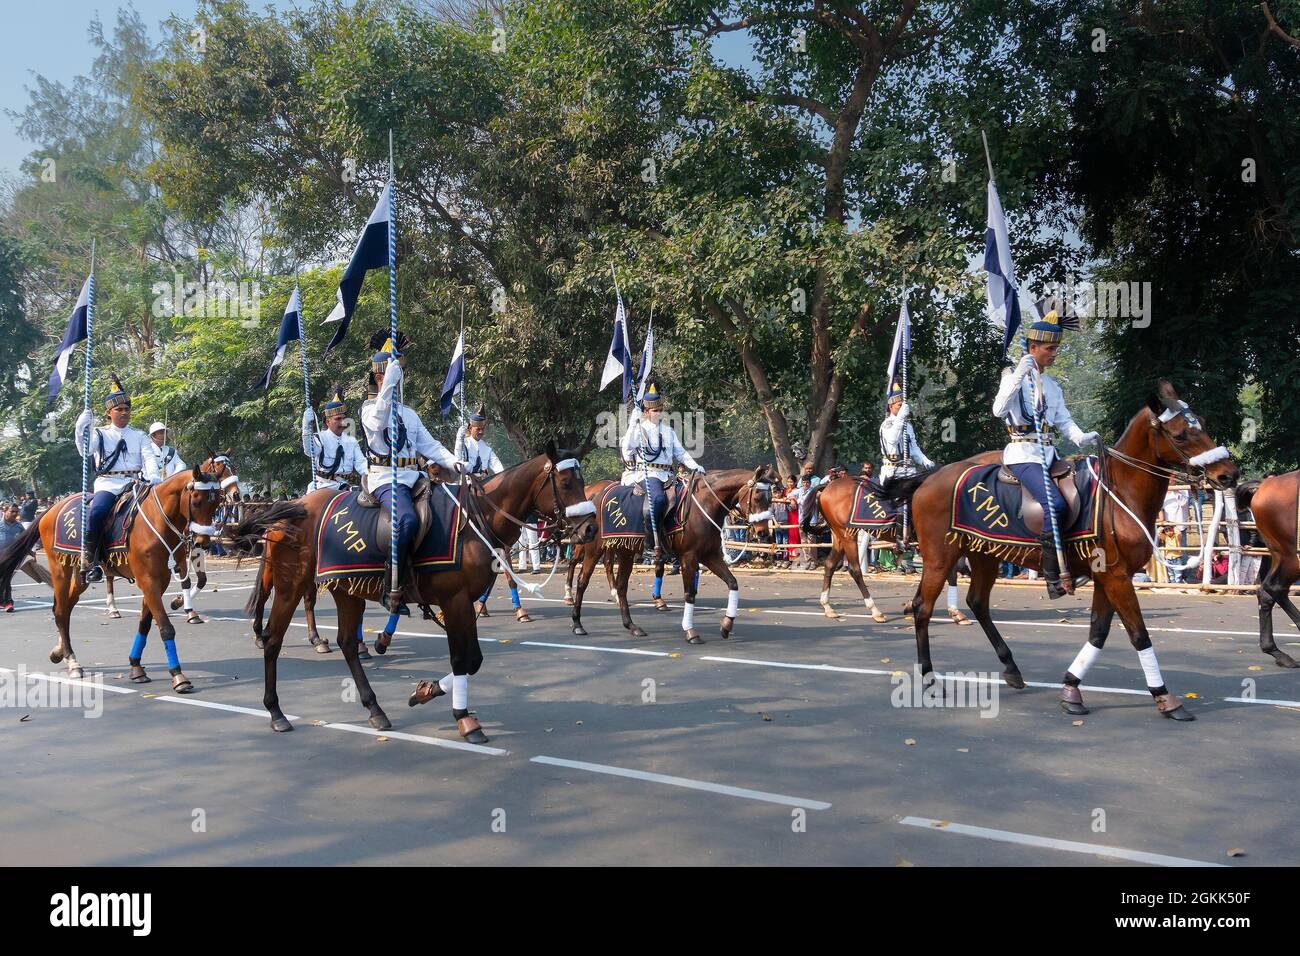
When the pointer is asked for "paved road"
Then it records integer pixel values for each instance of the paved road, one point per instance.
(780, 746)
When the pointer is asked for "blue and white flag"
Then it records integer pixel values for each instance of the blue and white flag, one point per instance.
(1004, 303)
(902, 345)
(289, 326)
(371, 253)
(619, 360)
(76, 333)
(647, 359)
(455, 380)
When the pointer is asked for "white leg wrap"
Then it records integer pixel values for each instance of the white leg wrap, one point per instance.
(1150, 668)
(460, 692)
(826, 597)
(870, 604)
(1084, 659)
(688, 615)
(952, 596)
(187, 596)
(445, 684)
(733, 603)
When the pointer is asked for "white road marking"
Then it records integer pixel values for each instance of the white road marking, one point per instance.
(213, 705)
(416, 738)
(59, 679)
(1050, 843)
(801, 667)
(685, 782)
(593, 647)
(1264, 700)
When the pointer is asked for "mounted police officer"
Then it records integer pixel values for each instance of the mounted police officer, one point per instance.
(386, 373)
(333, 452)
(472, 448)
(650, 448)
(117, 456)
(161, 460)
(900, 453)
(1027, 456)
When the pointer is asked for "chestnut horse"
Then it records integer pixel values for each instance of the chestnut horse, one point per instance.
(545, 484)
(699, 541)
(1272, 501)
(1162, 441)
(175, 516)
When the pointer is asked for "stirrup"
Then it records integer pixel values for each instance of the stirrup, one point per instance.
(92, 574)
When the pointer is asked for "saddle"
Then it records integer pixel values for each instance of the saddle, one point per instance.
(113, 539)
(1031, 511)
(419, 499)
(674, 491)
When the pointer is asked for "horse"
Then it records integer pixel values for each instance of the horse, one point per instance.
(546, 484)
(1272, 501)
(697, 541)
(174, 517)
(835, 501)
(264, 588)
(1163, 440)
(593, 493)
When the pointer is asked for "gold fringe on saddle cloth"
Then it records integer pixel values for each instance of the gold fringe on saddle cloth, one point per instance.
(372, 588)
(118, 559)
(1017, 553)
(627, 541)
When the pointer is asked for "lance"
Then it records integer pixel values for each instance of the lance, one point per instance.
(85, 404)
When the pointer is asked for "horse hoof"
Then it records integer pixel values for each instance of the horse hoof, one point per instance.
(141, 677)
(424, 692)
(176, 603)
(115, 615)
(907, 609)
(381, 644)
(76, 673)
(523, 618)
(181, 684)
(1014, 679)
(280, 725)
(830, 612)
(661, 604)
(471, 730)
(323, 647)
(1285, 660)
(363, 653)
(56, 656)
(728, 623)
(693, 637)
(259, 643)
(636, 631)
(1179, 713)
(380, 721)
(569, 601)
(1073, 709)
(193, 618)
(879, 618)
(476, 736)
(579, 630)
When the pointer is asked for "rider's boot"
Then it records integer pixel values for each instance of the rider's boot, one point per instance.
(1052, 569)
(92, 573)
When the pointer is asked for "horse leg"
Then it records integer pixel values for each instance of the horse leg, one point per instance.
(282, 608)
(609, 576)
(1274, 590)
(620, 592)
(855, 572)
(1119, 590)
(1103, 612)
(110, 603)
(690, 569)
(153, 599)
(589, 559)
(717, 563)
(657, 592)
(983, 573)
(138, 675)
(265, 582)
(828, 571)
(933, 577)
(568, 577)
(321, 645)
(67, 588)
(351, 609)
(466, 658)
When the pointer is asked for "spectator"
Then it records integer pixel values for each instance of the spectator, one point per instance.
(10, 529)
(780, 517)
(27, 512)
(792, 498)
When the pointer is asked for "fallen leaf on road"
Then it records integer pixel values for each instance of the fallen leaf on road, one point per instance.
(381, 739)
(1236, 851)
(911, 742)
(899, 861)
(1254, 667)
(963, 750)
(1077, 723)
(765, 716)
(24, 717)
(1192, 696)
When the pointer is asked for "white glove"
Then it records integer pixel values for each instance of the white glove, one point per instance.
(1027, 365)
(699, 469)
(903, 411)
(308, 420)
(1088, 438)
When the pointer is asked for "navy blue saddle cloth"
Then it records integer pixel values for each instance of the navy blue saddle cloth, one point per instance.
(622, 513)
(870, 511)
(352, 545)
(116, 537)
(988, 510)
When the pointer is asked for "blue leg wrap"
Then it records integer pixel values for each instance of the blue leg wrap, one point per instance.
(696, 585)
(659, 586)
(137, 646)
(514, 595)
(173, 659)
(391, 626)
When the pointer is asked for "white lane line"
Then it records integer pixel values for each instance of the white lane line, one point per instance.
(58, 679)
(213, 705)
(685, 782)
(592, 647)
(801, 667)
(1264, 700)
(416, 738)
(1050, 843)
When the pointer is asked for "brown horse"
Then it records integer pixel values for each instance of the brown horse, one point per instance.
(175, 516)
(1162, 441)
(545, 484)
(265, 586)
(835, 501)
(1272, 501)
(709, 500)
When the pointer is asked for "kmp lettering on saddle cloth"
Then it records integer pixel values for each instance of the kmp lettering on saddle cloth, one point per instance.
(350, 554)
(986, 512)
(869, 511)
(67, 532)
(622, 515)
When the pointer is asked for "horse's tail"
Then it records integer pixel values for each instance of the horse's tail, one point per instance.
(1246, 492)
(246, 535)
(805, 523)
(899, 488)
(17, 551)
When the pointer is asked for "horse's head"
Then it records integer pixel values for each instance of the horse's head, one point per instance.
(220, 465)
(1182, 444)
(755, 498)
(563, 495)
(210, 483)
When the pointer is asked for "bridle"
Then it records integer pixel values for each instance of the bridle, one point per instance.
(208, 482)
(1191, 469)
(558, 513)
